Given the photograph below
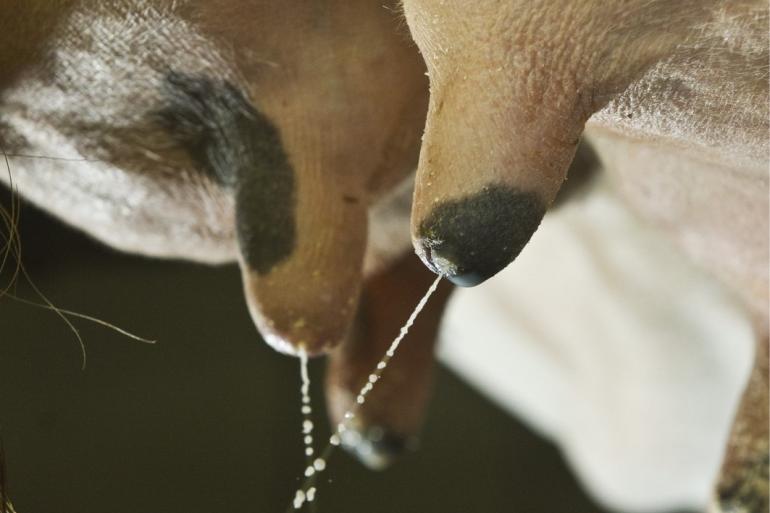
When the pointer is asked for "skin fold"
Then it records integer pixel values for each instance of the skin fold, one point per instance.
(281, 134)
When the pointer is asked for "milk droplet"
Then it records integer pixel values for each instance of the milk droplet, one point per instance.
(319, 464)
(299, 499)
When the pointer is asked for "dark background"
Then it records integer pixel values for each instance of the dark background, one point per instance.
(207, 420)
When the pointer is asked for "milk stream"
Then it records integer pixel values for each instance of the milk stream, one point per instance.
(306, 409)
(308, 492)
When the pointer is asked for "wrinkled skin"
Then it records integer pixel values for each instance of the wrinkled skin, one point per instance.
(266, 133)
(674, 98)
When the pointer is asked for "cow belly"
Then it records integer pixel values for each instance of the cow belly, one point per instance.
(715, 211)
(169, 214)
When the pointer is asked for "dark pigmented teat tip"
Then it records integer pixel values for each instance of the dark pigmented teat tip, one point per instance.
(377, 447)
(469, 240)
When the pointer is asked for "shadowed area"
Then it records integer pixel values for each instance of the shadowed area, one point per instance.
(208, 419)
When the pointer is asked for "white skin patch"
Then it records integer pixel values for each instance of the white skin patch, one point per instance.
(96, 100)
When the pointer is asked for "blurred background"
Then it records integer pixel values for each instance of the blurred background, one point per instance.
(208, 418)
